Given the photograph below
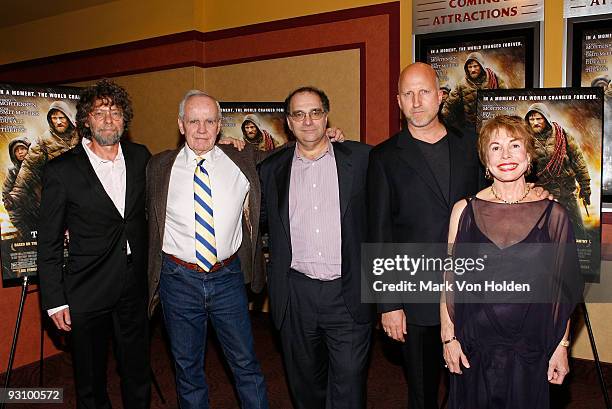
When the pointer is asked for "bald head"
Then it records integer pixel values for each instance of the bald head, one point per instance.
(419, 96)
(424, 71)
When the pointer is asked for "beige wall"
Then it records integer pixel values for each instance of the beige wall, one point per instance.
(272, 80)
(155, 97)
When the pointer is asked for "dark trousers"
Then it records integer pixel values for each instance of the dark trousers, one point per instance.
(325, 350)
(422, 355)
(127, 323)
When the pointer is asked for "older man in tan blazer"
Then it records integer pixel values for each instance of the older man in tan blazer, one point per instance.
(192, 288)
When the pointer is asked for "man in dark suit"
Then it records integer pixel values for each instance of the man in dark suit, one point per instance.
(414, 179)
(314, 201)
(192, 289)
(96, 192)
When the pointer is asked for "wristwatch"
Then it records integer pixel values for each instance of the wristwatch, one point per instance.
(565, 343)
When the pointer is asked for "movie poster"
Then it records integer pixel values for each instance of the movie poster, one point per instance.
(596, 64)
(466, 67)
(261, 124)
(36, 124)
(567, 126)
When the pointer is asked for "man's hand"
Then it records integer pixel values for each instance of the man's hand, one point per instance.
(558, 366)
(540, 192)
(61, 319)
(394, 324)
(335, 134)
(238, 144)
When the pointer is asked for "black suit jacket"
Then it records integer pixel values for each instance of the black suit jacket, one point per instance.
(73, 198)
(275, 173)
(406, 204)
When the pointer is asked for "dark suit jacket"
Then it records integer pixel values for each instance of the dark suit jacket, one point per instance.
(275, 172)
(250, 251)
(406, 204)
(73, 198)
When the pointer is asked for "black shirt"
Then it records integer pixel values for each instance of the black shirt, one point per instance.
(437, 156)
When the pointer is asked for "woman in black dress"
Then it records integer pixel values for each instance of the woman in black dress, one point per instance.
(503, 353)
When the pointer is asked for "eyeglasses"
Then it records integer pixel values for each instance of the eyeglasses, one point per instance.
(314, 114)
(100, 114)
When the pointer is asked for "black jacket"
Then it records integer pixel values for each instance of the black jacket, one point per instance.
(406, 204)
(275, 173)
(73, 198)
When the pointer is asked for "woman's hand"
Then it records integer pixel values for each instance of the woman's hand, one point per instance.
(558, 366)
(454, 357)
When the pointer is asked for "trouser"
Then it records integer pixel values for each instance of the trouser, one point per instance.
(189, 300)
(422, 356)
(324, 349)
(127, 322)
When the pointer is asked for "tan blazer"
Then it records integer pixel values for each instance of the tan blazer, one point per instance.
(250, 252)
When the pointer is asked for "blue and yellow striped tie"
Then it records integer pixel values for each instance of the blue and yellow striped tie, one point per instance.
(206, 245)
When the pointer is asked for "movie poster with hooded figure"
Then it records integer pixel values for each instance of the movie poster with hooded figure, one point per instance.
(37, 124)
(595, 71)
(260, 124)
(566, 124)
(470, 63)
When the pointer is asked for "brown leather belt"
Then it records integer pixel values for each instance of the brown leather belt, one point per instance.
(197, 268)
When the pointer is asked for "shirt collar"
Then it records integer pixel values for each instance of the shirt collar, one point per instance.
(329, 151)
(191, 157)
(92, 156)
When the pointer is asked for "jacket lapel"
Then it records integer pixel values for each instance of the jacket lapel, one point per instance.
(161, 179)
(457, 167)
(345, 175)
(96, 186)
(130, 176)
(411, 154)
(283, 176)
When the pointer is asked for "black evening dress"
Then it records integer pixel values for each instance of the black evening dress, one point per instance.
(509, 344)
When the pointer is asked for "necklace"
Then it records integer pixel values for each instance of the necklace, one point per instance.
(514, 201)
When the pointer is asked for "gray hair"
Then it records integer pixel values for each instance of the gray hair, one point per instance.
(194, 93)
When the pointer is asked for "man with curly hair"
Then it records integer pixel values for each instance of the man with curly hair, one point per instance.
(96, 193)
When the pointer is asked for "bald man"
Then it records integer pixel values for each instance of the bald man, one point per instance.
(428, 167)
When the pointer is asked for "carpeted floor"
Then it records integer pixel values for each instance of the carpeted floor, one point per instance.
(386, 384)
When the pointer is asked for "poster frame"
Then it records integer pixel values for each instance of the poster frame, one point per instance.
(531, 32)
(33, 276)
(595, 270)
(576, 27)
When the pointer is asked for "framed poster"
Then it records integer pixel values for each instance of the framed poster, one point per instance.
(261, 124)
(37, 123)
(590, 59)
(469, 61)
(567, 127)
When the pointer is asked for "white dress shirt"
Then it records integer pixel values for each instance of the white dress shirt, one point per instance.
(229, 191)
(111, 174)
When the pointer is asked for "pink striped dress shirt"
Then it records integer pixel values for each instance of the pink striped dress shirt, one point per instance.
(314, 216)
